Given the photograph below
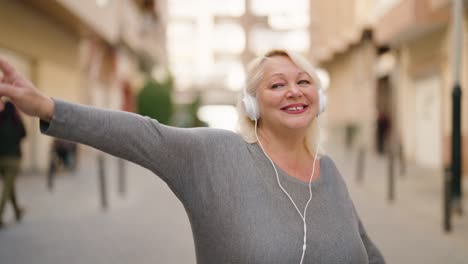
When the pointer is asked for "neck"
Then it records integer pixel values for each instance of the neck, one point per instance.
(281, 142)
(283, 145)
(290, 154)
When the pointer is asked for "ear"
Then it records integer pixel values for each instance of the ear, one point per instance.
(322, 101)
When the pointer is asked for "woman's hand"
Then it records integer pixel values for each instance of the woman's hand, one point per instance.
(23, 93)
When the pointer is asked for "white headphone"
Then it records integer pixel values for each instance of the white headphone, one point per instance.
(253, 111)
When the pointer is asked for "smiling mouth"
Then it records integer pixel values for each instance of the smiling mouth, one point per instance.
(295, 109)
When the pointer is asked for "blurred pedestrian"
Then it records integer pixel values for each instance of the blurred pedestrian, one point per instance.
(62, 155)
(248, 195)
(11, 134)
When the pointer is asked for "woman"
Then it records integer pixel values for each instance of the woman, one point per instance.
(11, 134)
(249, 197)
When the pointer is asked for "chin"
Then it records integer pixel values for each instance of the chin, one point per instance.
(303, 124)
(298, 127)
(297, 123)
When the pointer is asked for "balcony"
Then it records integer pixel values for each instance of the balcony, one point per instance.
(409, 19)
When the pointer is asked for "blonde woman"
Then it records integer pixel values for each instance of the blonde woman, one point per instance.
(267, 195)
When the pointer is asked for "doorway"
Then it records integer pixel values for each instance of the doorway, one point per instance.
(428, 134)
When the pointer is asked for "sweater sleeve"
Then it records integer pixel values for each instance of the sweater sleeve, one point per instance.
(375, 257)
(167, 151)
(373, 253)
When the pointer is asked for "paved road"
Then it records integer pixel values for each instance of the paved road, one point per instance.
(408, 230)
(67, 226)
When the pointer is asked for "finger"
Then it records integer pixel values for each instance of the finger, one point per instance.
(7, 90)
(9, 80)
(7, 69)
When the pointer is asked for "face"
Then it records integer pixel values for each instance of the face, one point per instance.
(287, 95)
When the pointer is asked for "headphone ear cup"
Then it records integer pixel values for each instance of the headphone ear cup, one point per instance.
(251, 107)
(322, 101)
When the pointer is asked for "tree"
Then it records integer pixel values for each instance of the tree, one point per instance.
(155, 100)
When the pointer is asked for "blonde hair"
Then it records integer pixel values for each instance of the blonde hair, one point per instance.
(255, 75)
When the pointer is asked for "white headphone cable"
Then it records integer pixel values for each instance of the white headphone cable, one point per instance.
(303, 216)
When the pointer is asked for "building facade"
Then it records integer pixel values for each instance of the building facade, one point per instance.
(391, 60)
(86, 52)
(419, 35)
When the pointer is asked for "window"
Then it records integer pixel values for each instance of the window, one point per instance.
(264, 39)
(182, 8)
(181, 38)
(230, 73)
(268, 7)
(233, 8)
(228, 38)
(287, 21)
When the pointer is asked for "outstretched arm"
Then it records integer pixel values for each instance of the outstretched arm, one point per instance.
(127, 135)
(167, 151)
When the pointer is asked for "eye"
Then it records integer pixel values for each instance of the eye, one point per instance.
(277, 85)
(303, 82)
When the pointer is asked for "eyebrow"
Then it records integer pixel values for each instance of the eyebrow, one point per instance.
(282, 74)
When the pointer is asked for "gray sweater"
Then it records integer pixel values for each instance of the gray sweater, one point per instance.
(237, 212)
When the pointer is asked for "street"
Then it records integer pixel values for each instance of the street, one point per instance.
(149, 225)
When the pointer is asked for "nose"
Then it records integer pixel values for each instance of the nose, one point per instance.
(294, 91)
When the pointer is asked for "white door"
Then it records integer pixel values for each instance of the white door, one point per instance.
(428, 137)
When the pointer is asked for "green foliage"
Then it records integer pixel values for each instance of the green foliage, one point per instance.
(155, 100)
(186, 115)
(193, 110)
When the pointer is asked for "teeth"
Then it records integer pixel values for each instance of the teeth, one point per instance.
(295, 108)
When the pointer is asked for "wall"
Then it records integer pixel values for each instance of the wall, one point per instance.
(351, 95)
(48, 54)
(432, 54)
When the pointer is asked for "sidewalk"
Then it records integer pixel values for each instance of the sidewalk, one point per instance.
(149, 224)
(409, 229)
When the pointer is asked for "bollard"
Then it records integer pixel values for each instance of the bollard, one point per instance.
(447, 203)
(50, 176)
(51, 171)
(391, 176)
(402, 160)
(360, 165)
(102, 181)
(122, 183)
